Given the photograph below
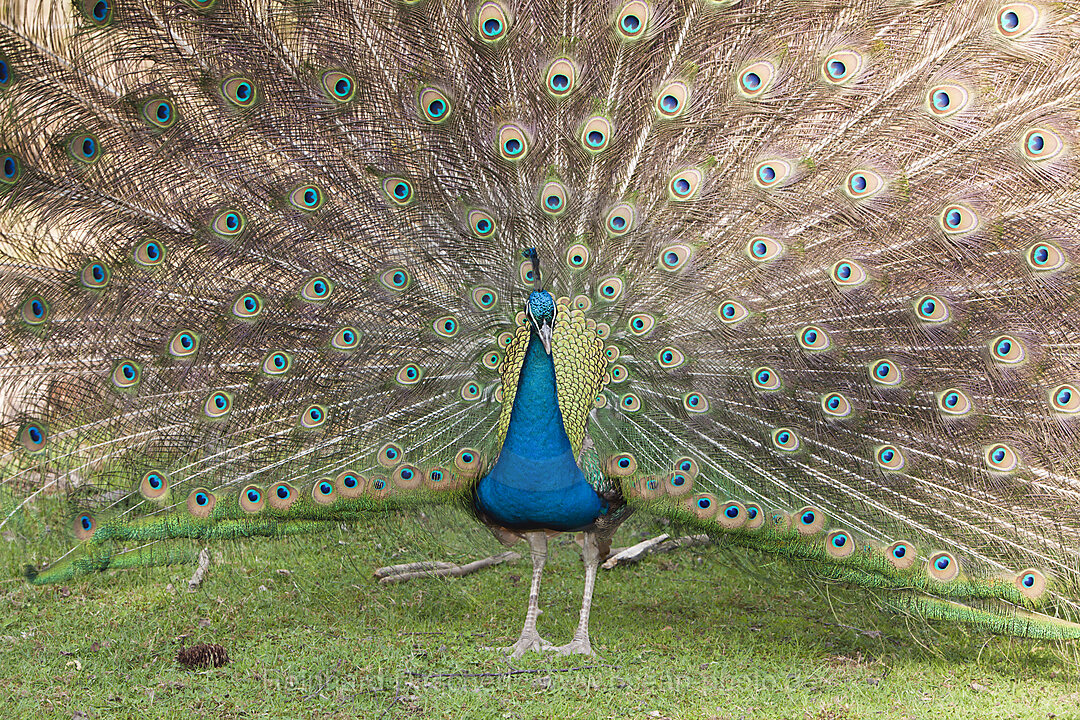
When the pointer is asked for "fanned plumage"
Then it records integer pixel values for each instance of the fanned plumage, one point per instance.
(811, 275)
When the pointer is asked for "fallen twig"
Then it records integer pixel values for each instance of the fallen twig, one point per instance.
(197, 577)
(408, 571)
(536, 671)
(660, 543)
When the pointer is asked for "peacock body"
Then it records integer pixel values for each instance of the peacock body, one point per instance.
(803, 277)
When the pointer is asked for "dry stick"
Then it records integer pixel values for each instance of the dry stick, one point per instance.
(660, 543)
(401, 573)
(197, 577)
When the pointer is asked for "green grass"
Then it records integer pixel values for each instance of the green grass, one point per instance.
(697, 633)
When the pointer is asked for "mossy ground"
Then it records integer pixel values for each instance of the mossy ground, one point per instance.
(704, 632)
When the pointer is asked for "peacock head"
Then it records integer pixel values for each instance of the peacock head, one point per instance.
(540, 309)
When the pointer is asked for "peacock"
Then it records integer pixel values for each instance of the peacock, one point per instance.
(798, 275)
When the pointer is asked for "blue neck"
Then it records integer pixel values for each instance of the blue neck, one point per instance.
(536, 482)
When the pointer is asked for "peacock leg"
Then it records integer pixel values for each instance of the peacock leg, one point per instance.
(530, 639)
(590, 553)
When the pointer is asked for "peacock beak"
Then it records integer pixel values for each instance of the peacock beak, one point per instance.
(545, 337)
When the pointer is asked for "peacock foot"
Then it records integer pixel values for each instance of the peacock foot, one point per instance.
(577, 646)
(529, 640)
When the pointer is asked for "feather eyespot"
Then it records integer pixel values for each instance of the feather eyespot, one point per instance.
(755, 79)
(943, 566)
(889, 457)
(835, 405)
(1001, 458)
(946, 100)
(200, 503)
(678, 484)
(611, 353)
(317, 289)
(32, 437)
(885, 372)
(252, 499)
(861, 184)
(732, 312)
(345, 339)
(281, 496)
(149, 253)
(339, 86)
(670, 358)
(84, 147)
(630, 403)
(674, 257)
(228, 224)
(763, 249)
(240, 91)
(407, 477)
(931, 309)
(1016, 20)
(813, 338)
(771, 173)
(491, 22)
(399, 190)
(732, 515)
(247, 306)
(785, 439)
(1031, 583)
(491, 360)
(901, 555)
(632, 20)
(513, 145)
(218, 405)
(596, 134)
(6, 75)
(686, 465)
(159, 113)
(34, 310)
(10, 168)
(671, 100)
(153, 485)
(603, 331)
(561, 78)
(703, 506)
(485, 298)
(841, 67)
(277, 363)
(693, 402)
(410, 374)
(390, 455)
(684, 185)
(577, 256)
(467, 462)
(958, 219)
(621, 465)
(553, 198)
(184, 343)
(434, 106)
(350, 484)
(582, 302)
(839, 544)
(619, 220)
(1044, 256)
(954, 402)
(470, 391)
(446, 326)
(610, 289)
(765, 378)
(323, 492)
(809, 520)
(308, 198)
(1065, 399)
(618, 373)
(1041, 144)
(848, 273)
(396, 279)
(641, 323)
(98, 12)
(481, 224)
(84, 526)
(126, 375)
(1006, 349)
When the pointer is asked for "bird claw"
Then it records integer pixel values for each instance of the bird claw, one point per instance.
(577, 646)
(528, 641)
